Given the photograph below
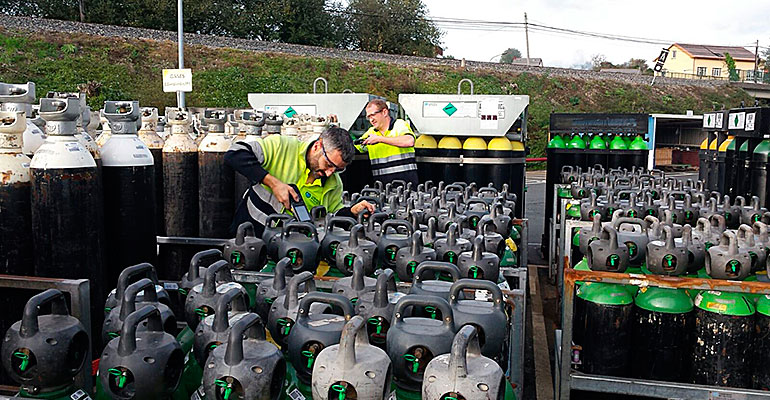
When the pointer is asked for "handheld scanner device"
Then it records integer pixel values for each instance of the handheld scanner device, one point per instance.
(298, 208)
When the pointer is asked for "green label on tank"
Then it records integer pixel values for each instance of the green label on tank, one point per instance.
(449, 109)
(290, 112)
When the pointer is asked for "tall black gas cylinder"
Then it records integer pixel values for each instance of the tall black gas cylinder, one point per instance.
(250, 125)
(602, 328)
(724, 330)
(761, 348)
(129, 192)
(15, 98)
(180, 192)
(216, 180)
(760, 164)
(67, 231)
(15, 211)
(149, 136)
(663, 325)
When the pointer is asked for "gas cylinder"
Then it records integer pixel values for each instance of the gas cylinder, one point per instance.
(114, 322)
(269, 289)
(283, 311)
(463, 373)
(352, 369)
(475, 147)
(730, 173)
(67, 231)
(106, 130)
(196, 271)
(180, 192)
(130, 275)
(16, 98)
(576, 156)
(337, 230)
(724, 331)
(141, 365)
(314, 332)
(149, 136)
(425, 146)
(249, 367)
(743, 170)
(663, 325)
(597, 154)
(413, 342)
(15, 212)
(216, 179)
(250, 126)
(449, 147)
(761, 375)
(488, 317)
(353, 287)
(760, 163)
(377, 307)
(129, 192)
(703, 166)
(43, 353)
(602, 328)
(203, 297)
(617, 156)
(213, 330)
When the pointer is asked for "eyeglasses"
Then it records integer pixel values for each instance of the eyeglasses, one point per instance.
(336, 168)
(374, 113)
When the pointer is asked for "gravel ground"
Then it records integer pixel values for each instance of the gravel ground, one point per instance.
(47, 25)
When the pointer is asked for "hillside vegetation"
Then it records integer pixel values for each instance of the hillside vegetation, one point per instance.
(120, 69)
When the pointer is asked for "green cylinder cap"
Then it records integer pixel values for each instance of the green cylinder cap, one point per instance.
(605, 293)
(607, 139)
(627, 140)
(731, 146)
(556, 143)
(576, 143)
(617, 143)
(744, 146)
(597, 143)
(637, 144)
(763, 305)
(726, 303)
(763, 147)
(664, 300)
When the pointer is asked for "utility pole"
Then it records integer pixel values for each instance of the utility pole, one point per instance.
(526, 36)
(756, 60)
(180, 35)
(81, 8)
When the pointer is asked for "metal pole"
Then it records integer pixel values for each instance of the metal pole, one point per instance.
(756, 60)
(526, 36)
(180, 35)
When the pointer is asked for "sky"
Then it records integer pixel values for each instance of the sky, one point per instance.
(733, 23)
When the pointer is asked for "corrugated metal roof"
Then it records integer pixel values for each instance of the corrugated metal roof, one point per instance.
(716, 52)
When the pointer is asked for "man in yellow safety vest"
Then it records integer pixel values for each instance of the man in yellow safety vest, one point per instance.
(390, 144)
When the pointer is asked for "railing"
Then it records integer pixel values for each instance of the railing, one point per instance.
(743, 76)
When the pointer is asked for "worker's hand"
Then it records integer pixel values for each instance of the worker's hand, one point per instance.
(281, 191)
(362, 206)
(373, 139)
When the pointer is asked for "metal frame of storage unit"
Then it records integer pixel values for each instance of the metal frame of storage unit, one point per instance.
(566, 379)
(80, 307)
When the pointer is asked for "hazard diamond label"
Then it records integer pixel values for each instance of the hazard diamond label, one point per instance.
(449, 109)
(289, 112)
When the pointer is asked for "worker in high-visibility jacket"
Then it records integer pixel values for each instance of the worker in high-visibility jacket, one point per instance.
(390, 144)
(274, 162)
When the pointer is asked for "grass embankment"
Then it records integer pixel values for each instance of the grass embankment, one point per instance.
(112, 69)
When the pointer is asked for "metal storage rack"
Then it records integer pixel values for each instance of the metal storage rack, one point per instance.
(567, 379)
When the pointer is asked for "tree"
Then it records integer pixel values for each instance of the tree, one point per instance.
(731, 69)
(392, 26)
(599, 61)
(509, 55)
